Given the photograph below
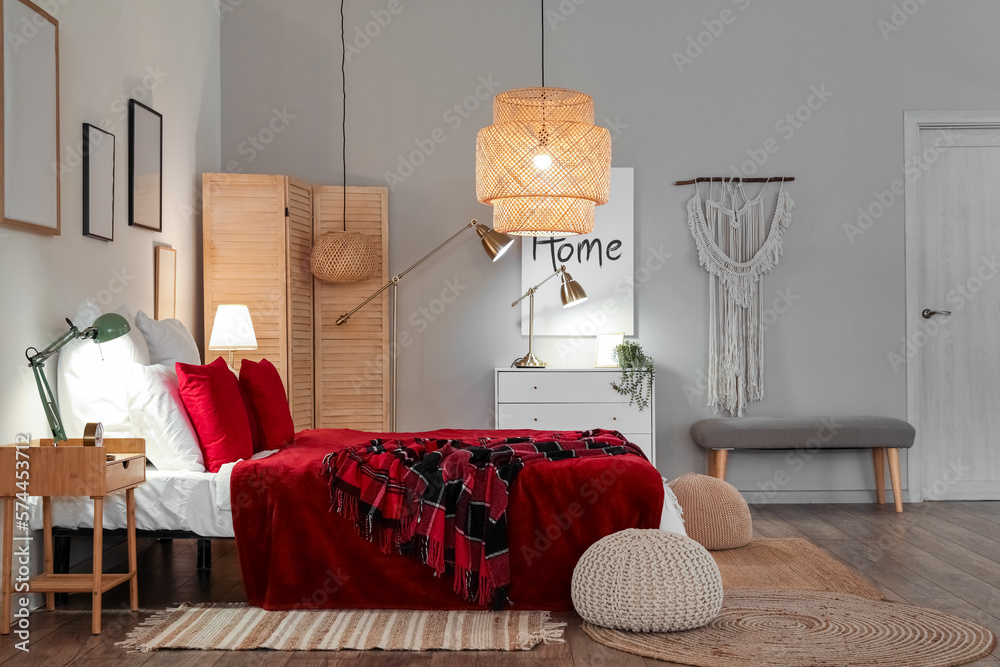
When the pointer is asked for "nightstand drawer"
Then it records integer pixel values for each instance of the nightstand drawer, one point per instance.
(126, 471)
(574, 417)
(528, 386)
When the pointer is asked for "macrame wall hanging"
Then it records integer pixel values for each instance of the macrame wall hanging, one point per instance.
(737, 246)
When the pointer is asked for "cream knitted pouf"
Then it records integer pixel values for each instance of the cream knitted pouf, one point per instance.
(647, 581)
(715, 514)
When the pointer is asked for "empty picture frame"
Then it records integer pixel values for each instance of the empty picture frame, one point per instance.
(29, 164)
(165, 301)
(145, 167)
(606, 344)
(98, 183)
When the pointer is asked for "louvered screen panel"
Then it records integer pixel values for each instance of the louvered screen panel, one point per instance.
(245, 260)
(301, 397)
(352, 364)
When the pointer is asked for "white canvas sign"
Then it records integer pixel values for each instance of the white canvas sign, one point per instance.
(602, 262)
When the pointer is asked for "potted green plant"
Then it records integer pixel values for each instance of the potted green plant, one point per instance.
(637, 373)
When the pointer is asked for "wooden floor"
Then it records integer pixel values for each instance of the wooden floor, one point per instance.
(940, 555)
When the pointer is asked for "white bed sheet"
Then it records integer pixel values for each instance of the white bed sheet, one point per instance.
(199, 502)
(180, 500)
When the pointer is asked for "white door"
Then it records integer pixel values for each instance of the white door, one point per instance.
(953, 299)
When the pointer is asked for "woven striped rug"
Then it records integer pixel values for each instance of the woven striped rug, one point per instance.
(238, 627)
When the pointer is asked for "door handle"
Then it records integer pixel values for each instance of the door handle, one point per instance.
(928, 313)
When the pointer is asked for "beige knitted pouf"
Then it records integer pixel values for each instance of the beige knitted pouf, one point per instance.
(647, 581)
(715, 514)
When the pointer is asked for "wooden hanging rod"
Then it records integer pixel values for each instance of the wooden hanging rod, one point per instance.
(722, 179)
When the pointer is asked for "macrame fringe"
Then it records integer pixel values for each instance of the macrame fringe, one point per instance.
(550, 633)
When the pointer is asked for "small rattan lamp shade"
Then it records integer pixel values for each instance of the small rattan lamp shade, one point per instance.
(543, 165)
(343, 257)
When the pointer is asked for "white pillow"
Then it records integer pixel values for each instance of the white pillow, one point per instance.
(168, 341)
(93, 379)
(158, 415)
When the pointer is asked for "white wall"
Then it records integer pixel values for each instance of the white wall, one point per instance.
(166, 55)
(826, 355)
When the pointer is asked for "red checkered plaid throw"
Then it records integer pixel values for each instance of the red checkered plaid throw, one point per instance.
(445, 501)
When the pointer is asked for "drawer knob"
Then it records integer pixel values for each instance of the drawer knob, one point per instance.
(536, 387)
(536, 418)
(614, 419)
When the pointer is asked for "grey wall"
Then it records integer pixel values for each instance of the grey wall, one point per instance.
(826, 354)
(167, 56)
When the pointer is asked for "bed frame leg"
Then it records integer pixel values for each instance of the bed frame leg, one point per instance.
(204, 555)
(60, 562)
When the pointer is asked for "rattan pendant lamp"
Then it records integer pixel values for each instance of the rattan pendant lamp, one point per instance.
(543, 165)
(343, 257)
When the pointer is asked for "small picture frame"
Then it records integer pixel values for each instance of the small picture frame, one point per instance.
(145, 167)
(165, 299)
(606, 344)
(98, 183)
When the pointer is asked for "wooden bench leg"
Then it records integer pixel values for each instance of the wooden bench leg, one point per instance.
(897, 487)
(878, 458)
(717, 463)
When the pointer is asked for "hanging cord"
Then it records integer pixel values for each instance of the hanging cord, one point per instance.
(343, 116)
(541, 5)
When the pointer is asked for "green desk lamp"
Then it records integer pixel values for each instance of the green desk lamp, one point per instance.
(106, 327)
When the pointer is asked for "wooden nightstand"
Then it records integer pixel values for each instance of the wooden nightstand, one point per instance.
(71, 470)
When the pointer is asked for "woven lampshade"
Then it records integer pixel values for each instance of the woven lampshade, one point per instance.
(543, 164)
(343, 257)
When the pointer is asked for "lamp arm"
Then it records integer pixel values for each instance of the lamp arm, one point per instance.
(562, 269)
(38, 358)
(395, 279)
(37, 363)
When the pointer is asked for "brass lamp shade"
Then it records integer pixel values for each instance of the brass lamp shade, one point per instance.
(343, 257)
(494, 243)
(543, 165)
(571, 292)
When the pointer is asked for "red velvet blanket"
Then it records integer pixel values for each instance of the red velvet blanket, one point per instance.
(295, 554)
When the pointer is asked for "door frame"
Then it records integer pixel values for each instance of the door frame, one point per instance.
(913, 123)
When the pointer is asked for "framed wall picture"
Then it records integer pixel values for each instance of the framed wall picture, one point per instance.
(606, 344)
(603, 262)
(165, 301)
(98, 183)
(145, 167)
(29, 151)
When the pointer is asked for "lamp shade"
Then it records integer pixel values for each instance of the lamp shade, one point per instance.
(343, 257)
(232, 329)
(571, 292)
(110, 326)
(543, 165)
(494, 243)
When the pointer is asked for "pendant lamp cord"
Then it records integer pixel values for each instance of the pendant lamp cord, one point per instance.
(542, 12)
(343, 116)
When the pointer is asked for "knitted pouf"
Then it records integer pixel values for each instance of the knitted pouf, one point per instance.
(715, 514)
(647, 581)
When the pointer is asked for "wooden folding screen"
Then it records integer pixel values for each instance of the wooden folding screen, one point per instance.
(352, 360)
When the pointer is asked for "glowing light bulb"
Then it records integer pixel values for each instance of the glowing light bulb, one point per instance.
(543, 161)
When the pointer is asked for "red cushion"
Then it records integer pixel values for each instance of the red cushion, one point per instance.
(256, 430)
(267, 394)
(211, 395)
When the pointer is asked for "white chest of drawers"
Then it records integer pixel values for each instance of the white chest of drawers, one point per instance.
(574, 400)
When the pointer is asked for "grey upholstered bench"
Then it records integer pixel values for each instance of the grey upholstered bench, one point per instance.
(885, 436)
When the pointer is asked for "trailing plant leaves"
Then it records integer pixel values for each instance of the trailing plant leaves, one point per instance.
(637, 374)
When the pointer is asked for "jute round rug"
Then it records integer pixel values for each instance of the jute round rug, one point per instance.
(784, 628)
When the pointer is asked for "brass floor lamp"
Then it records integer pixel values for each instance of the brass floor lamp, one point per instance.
(494, 243)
